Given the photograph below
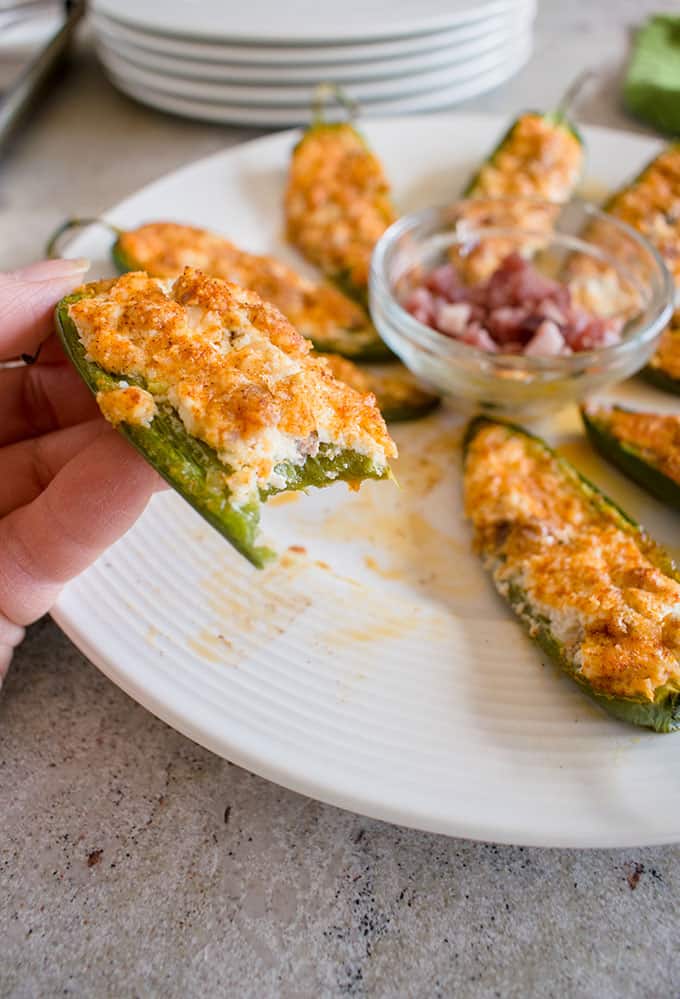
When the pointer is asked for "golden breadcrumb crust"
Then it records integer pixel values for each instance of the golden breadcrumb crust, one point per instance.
(539, 159)
(656, 435)
(616, 614)
(337, 202)
(651, 204)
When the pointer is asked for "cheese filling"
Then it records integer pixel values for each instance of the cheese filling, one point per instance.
(238, 375)
(615, 613)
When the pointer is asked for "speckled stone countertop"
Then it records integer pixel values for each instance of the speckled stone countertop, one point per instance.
(134, 863)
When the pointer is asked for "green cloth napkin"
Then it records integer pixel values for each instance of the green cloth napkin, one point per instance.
(652, 87)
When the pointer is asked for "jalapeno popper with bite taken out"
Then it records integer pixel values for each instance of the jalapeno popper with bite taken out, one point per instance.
(221, 394)
(593, 590)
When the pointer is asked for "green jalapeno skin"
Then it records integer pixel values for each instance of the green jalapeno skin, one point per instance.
(193, 468)
(662, 714)
(399, 395)
(630, 459)
(365, 349)
(656, 376)
(407, 412)
(400, 399)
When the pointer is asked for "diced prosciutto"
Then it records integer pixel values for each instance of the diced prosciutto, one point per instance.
(546, 342)
(517, 310)
(453, 318)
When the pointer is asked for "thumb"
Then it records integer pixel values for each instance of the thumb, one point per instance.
(27, 298)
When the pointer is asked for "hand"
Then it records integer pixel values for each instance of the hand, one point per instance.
(69, 484)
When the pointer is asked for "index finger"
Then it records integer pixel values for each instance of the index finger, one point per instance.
(27, 300)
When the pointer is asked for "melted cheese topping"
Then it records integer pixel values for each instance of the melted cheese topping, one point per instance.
(237, 373)
(656, 436)
(127, 404)
(337, 202)
(651, 204)
(615, 613)
(538, 159)
(318, 311)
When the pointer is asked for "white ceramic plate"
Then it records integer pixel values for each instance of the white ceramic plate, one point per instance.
(299, 55)
(305, 22)
(310, 73)
(375, 669)
(281, 116)
(275, 95)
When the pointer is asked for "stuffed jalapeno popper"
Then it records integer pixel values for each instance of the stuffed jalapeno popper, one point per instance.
(221, 394)
(337, 202)
(645, 446)
(596, 593)
(317, 309)
(651, 204)
(536, 166)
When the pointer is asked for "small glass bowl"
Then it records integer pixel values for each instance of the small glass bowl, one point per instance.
(559, 242)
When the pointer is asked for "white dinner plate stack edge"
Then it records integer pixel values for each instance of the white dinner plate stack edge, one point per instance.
(259, 63)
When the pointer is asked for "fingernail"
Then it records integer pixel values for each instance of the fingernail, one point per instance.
(46, 270)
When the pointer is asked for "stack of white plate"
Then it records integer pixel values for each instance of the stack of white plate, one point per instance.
(257, 62)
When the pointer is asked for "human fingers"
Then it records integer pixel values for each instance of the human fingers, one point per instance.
(10, 636)
(27, 468)
(38, 398)
(27, 298)
(90, 503)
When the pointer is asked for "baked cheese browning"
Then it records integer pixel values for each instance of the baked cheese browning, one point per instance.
(337, 202)
(240, 377)
(317, 310)
(127, 404)
(656, 436)
(616, 614)
(651, 204)
(539, 158)
(667, 355)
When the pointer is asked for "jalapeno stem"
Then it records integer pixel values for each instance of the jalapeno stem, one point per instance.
(326, 92)
(573, 91)
(52, 248)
